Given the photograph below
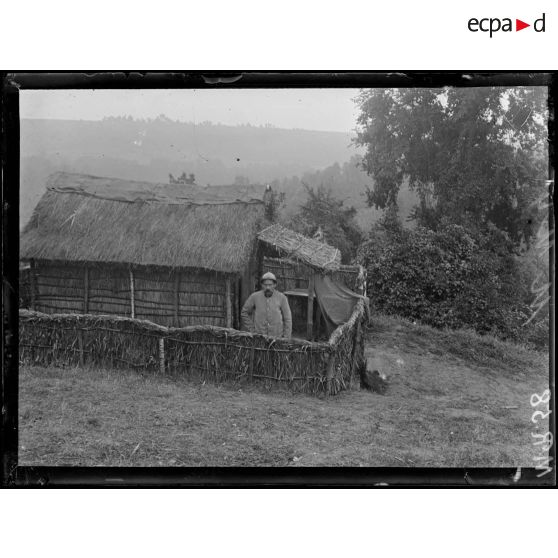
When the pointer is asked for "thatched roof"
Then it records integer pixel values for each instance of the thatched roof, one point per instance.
(314, 253)
(82, 219)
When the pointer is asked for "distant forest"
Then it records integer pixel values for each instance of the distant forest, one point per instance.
(150, 149)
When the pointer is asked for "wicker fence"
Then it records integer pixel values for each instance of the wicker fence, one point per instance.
(203, 352)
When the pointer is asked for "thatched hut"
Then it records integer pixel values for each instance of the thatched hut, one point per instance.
(176, 255)
(185, 258)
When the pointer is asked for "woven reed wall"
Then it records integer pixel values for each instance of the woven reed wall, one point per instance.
(202, 299)
(295, 275)
(108, 290)
(180, 298)
(57, 288)
(290, 274)
(166, 297)
(203, 352)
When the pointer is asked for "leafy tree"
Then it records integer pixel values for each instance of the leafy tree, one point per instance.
(474, 156)
(322, 210)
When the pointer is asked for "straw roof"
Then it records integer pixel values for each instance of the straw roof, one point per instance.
(314, 253)
(81, 219)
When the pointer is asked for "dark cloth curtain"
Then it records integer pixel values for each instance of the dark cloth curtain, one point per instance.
(336, 301)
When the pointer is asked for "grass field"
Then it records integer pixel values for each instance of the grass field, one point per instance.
(454, 399)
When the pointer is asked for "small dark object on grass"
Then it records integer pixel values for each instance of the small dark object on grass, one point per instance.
(374, 381)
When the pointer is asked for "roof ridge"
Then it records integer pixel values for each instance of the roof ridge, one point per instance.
(126, 190)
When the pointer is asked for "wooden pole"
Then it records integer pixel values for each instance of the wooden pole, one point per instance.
(318, 319)
(354, 354)
(330, 372)
(238, 303)
(32, 285)
(251, 365)
(80, 342)
(132, 295)
(162, 355)
(228, 305)
(176, 298)
(86, 290)
(310, 317)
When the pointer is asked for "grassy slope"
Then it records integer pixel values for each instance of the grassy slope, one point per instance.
(454, 400)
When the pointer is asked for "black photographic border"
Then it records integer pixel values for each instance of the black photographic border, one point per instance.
(14, 475)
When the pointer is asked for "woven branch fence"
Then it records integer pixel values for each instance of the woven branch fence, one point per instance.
(209, 353)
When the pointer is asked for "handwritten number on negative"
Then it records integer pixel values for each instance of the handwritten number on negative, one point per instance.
(546, 439)
(538, 399)
(540, 414)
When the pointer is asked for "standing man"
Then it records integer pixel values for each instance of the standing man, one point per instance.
(267, 311)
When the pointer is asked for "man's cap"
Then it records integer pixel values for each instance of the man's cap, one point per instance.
(269, 275)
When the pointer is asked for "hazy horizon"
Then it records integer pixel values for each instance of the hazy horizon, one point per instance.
(329, 110)
(205, 122)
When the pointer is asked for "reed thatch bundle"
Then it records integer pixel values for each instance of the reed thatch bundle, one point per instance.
(314, 253)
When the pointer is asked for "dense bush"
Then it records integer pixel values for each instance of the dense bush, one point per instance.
(448, 277)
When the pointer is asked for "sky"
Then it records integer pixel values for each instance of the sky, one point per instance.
(310, 109)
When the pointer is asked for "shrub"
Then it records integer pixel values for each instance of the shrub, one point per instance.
(448, 277)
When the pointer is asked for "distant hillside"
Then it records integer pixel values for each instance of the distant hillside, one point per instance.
(151, 149)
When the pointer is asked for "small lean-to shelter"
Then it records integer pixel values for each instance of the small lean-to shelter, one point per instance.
(174, 254)
(311, 270)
